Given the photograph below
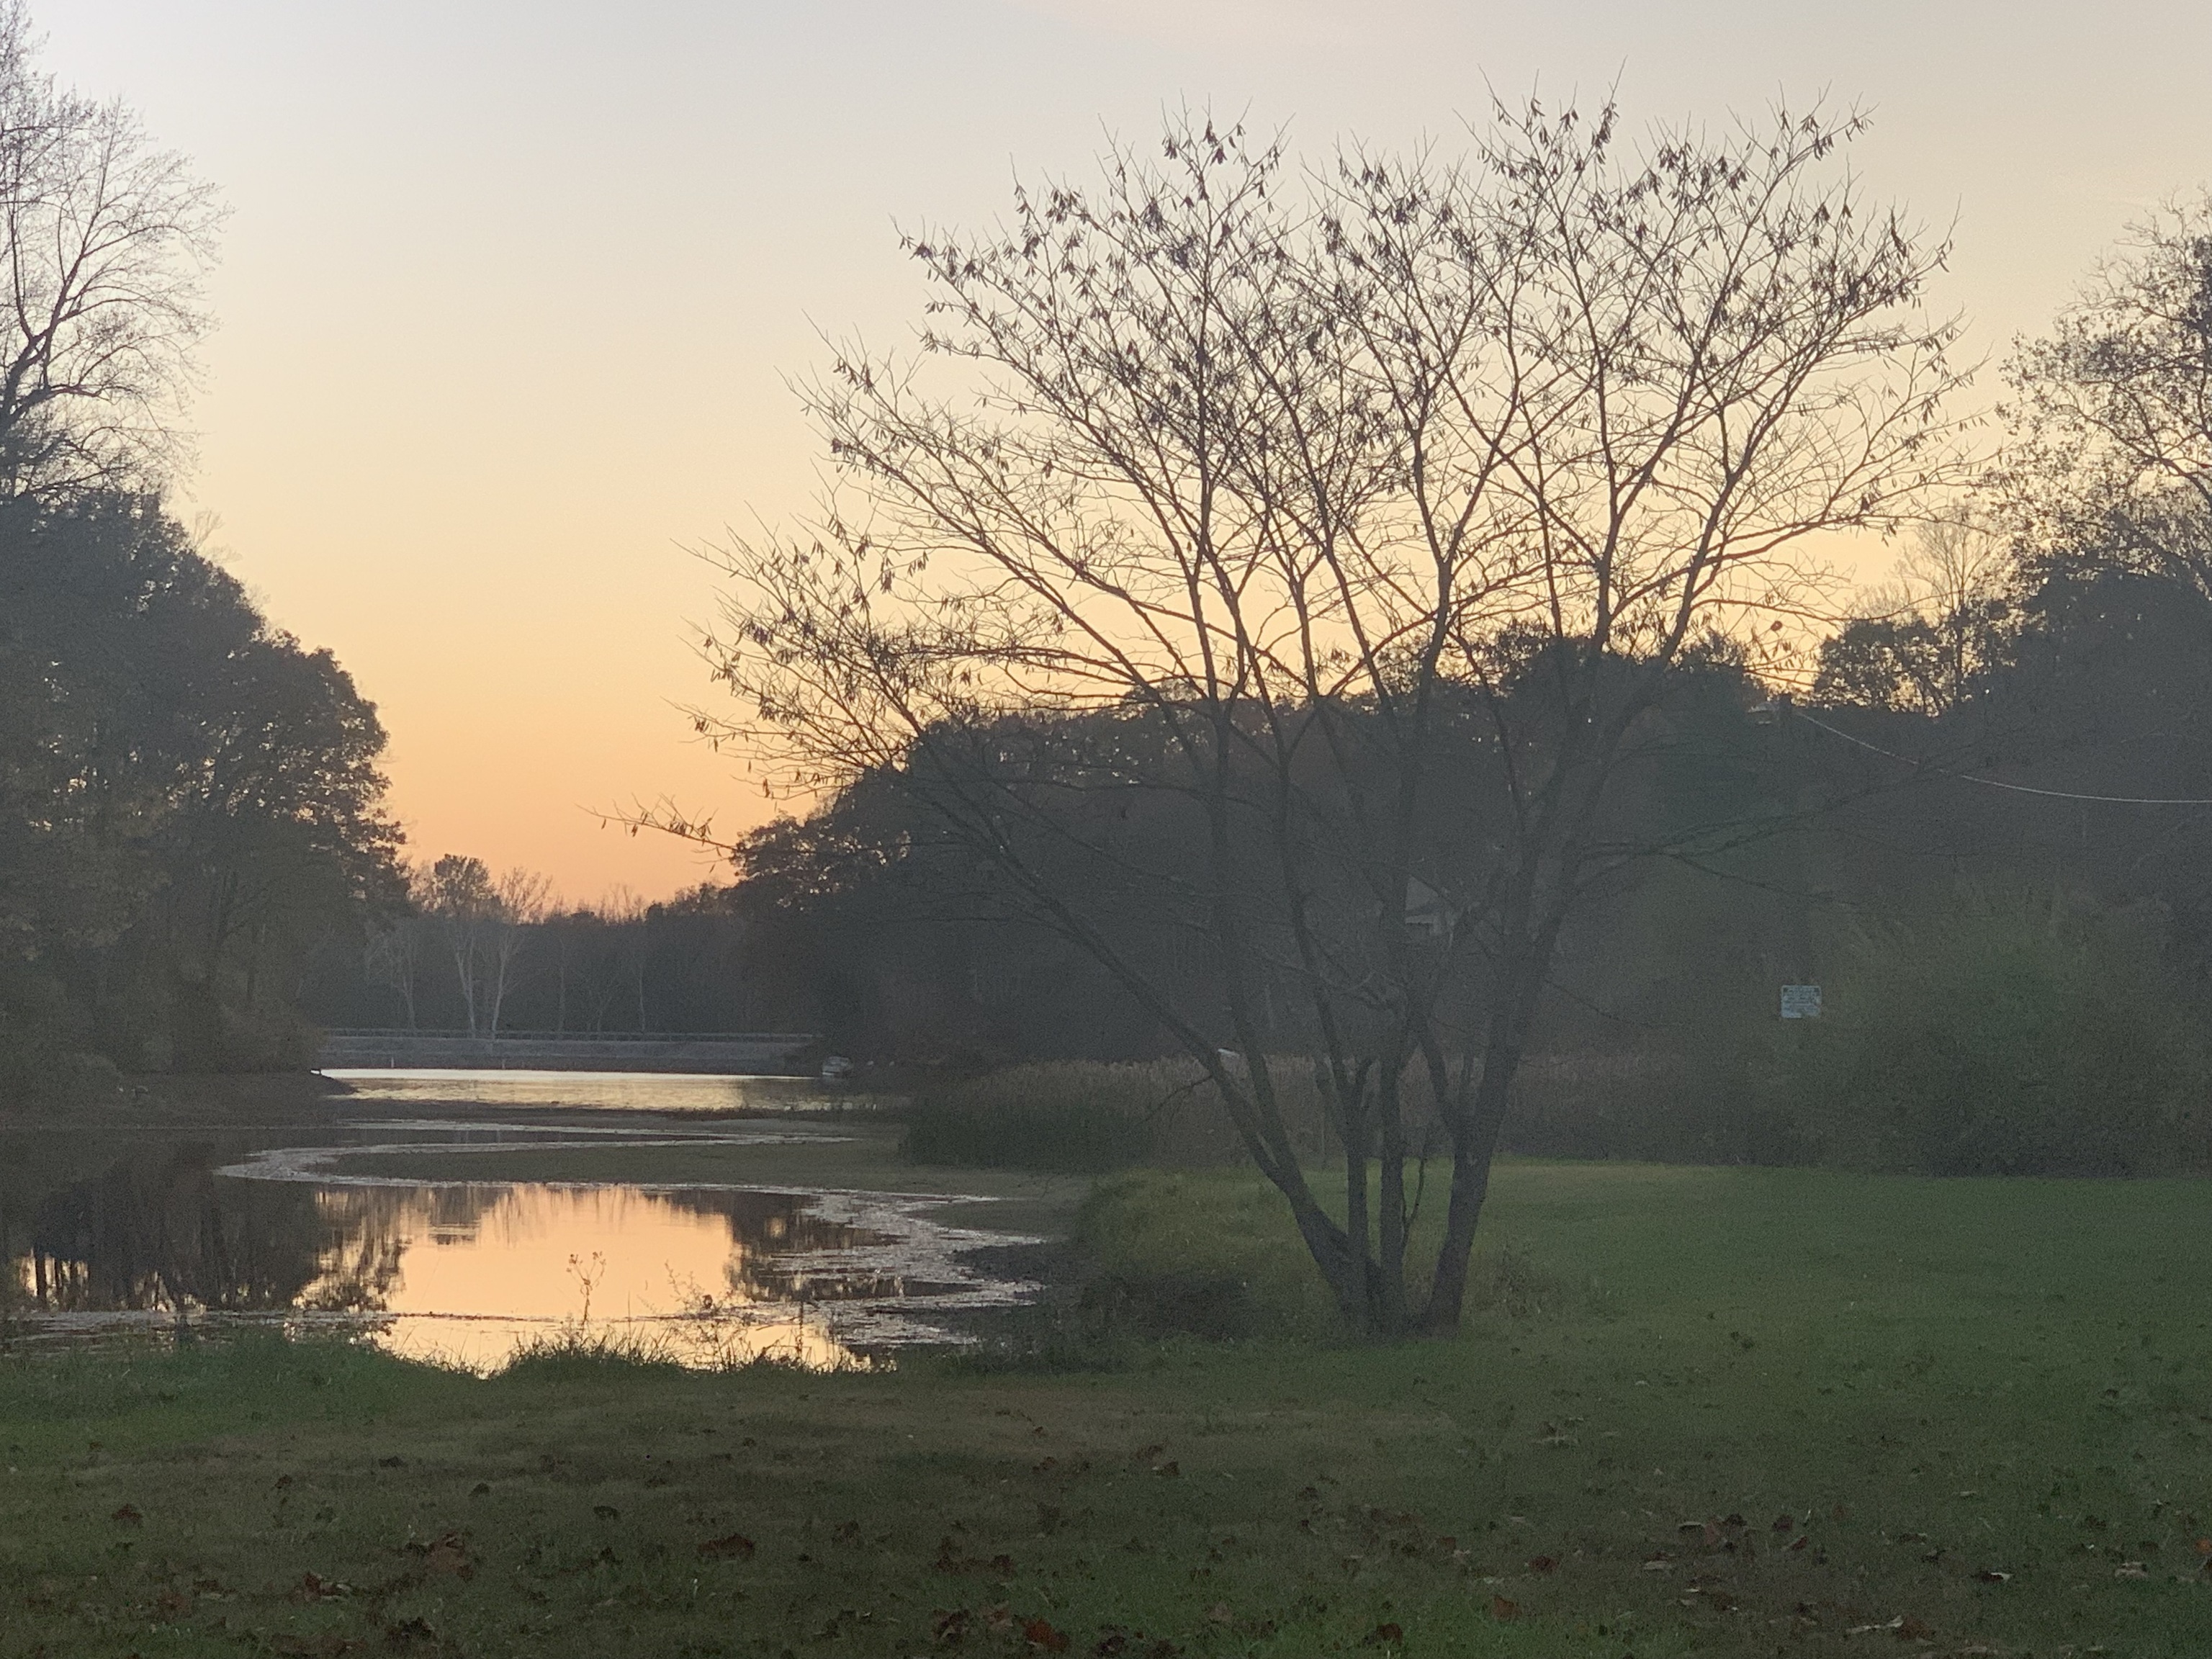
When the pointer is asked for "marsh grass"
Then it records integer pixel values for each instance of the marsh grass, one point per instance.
(1981, 1405)
(1088, 1117)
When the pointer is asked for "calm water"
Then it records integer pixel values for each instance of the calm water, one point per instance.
(298, 1231)
(618, 1092)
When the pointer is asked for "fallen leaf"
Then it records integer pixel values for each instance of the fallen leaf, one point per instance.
(1390, 1635)
(1909, 1629)
(1169, 1468)
(1543, 1562)
(1784, 1522)
(447, 1552)
(606, 1511)
(409, 1632)
(1503, 1607)
(949, 1624)
(731, 1547)
(331, 1645)
(128, 1516)
(1039, 1634)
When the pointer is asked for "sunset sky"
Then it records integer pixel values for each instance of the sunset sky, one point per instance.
(511, 292)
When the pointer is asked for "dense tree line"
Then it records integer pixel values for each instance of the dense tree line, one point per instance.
(466, 950)
(189, 800)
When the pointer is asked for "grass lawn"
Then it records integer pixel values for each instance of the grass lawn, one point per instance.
(1708, 1412)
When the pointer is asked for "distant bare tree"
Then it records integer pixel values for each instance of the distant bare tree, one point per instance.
(2112, 420)
(1354, 534)
(519, 902)
(1923, 638)
(394, 960)
(487, 923)
(105, 237)
(458, 895)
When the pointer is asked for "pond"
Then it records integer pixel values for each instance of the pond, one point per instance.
(581, 1211)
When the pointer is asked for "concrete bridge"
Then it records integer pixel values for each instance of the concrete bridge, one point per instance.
(741, 1053)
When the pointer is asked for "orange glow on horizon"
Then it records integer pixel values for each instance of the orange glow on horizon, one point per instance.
(510, 296)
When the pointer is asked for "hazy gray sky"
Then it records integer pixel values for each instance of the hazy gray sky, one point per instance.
(510, 291)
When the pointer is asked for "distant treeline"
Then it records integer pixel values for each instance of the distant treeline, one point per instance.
(469, 950)
(2013, 979)
(1979, 944)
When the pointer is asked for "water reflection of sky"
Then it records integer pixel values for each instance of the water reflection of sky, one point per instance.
(632, 1092)
(466, 1275)
(468, 1272)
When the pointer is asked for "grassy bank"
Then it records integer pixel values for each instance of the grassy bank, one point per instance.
(1980, 1408)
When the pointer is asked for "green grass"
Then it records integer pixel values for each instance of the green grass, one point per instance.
(1931, 1380)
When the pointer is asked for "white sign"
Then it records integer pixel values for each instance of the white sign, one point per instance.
(1801, 1002)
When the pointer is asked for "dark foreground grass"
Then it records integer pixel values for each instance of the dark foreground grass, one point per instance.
(1710, 1412)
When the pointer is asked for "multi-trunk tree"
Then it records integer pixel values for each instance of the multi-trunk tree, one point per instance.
(1297, 566)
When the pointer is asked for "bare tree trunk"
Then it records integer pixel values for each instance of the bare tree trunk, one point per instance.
(1390, 1300)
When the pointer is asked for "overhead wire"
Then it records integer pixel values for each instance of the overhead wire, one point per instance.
(1999, 783)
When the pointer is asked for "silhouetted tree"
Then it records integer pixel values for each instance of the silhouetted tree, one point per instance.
(189, 800)
(2111, 448)
(105, 237)
(1348, 545)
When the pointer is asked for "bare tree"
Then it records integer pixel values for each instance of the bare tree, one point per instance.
(1350, 529)
(2113, 418)
(487, 923)
(1920, 640)
(105, 238)
(458, 895)
(394, 955)
(518, 902)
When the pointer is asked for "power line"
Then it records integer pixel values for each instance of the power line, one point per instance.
(1999, 783)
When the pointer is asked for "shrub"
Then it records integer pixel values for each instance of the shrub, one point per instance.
(2006, 1035)
(1720, 1105)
